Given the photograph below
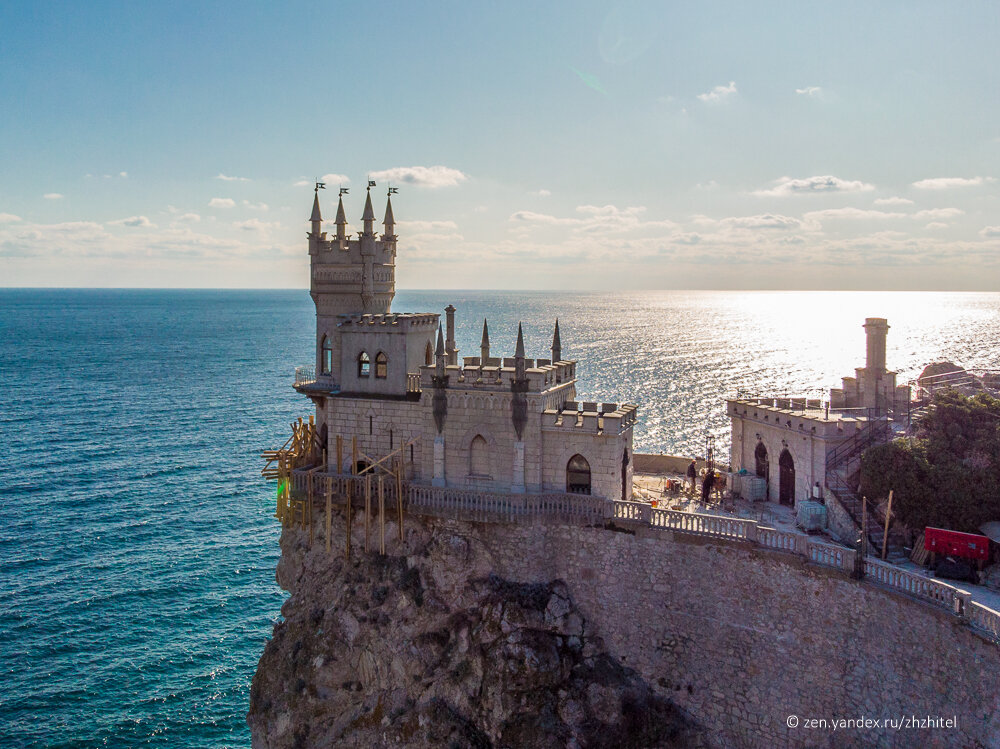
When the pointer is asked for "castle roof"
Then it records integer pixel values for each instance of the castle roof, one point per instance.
(316, 215)
(369, 211)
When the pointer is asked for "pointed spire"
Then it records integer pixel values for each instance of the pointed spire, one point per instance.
(519, 351)
(484, 346)
(341, 219)
(556, 345)
(316, 215)
(439, 355)
(369, 214)
(519, 375)
(389, 223)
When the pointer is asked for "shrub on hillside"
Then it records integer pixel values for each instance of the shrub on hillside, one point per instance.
(948, 476)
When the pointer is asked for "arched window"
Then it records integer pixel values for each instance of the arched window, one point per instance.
(429, 354)
(578, 475)
(326, 361)
(364, 364)
(479, 457)
(381, 365)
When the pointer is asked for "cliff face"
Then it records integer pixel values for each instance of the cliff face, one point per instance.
(428, 646)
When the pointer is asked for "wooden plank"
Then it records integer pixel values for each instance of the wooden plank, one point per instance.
(885, 533)
(368, 507)
(329, 510)
(399, 495)
(340, 454)
(381, 516)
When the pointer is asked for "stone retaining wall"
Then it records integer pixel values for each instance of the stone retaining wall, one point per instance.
(743, 638)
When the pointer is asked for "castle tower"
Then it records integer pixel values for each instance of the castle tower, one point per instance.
(451, 349)
(876, 331)
(348, 276)
(556, 344)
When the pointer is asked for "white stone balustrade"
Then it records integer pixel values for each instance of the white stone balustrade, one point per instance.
(479, 506)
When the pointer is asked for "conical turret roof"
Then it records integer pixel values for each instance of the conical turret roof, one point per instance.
(486, 334)
(316, 215)
(519, 351)
(389, 220)
(341, 216)
(369, 211)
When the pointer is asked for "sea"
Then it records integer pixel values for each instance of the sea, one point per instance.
(138, 543)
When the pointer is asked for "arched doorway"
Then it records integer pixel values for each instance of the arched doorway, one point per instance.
(578, 475)
(763, 468)
(786, 480)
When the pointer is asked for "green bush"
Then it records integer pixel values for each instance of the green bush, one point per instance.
(948, 476)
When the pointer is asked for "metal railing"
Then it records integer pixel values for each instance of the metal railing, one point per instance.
(413, 382)
(305, 375)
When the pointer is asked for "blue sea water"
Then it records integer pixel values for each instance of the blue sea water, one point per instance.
(137, 543)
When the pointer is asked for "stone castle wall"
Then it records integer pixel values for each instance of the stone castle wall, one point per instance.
(743, 638)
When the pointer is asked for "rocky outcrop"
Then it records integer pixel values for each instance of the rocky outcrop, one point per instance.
(426, 646)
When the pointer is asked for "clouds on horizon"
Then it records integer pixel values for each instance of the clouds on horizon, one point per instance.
(422, 176)
(718, 94)
(947, 183)
(822, 185)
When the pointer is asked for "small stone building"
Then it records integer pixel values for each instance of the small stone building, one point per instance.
(389, 380)
(792, 442)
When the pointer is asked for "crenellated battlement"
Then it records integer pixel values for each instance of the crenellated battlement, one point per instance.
(499, 374)
(608, 419)
(401, 320)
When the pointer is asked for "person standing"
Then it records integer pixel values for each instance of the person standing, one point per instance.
(692, 474)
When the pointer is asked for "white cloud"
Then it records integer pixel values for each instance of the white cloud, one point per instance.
(893, 201)
(222, 203)
(226, 178)
(939, 213)
(329, 179)
(8, 218)
(255, 206)
(990, 231)
(134, 221)
(945, 183)
(809, 91)
(52, 196)
(255, 224)
(850, 213)
(594, 219)
(719, 93)
(764, 221)
(123, 175)
(814, 186)
(422, 176)
(189, 217)
(424, 226)
(542, 193)
(936, 225)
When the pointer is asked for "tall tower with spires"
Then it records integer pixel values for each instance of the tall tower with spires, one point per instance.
(349, 276)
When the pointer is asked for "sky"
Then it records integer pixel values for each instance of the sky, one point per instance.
(556, 145)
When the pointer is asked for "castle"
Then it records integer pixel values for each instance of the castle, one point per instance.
(392, 382)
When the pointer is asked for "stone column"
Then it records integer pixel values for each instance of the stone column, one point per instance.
(517, 482)
(439, 479)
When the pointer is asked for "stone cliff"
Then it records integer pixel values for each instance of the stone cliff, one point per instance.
(427, 646)
(490, 634)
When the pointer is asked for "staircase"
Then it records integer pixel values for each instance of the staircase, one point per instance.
(843, 467)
